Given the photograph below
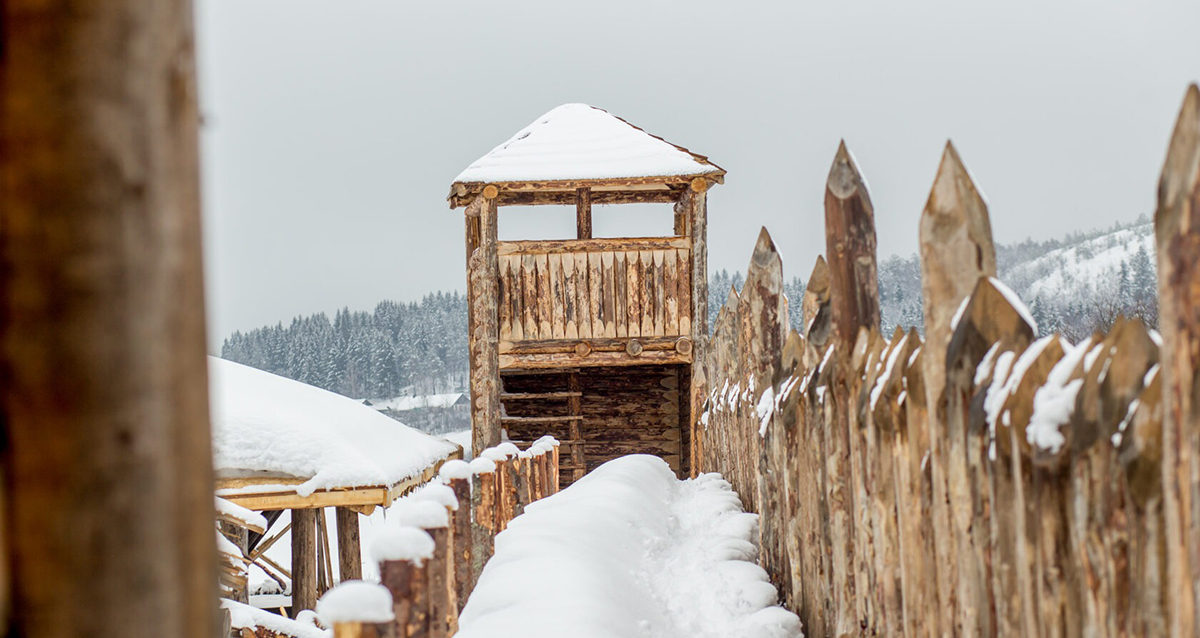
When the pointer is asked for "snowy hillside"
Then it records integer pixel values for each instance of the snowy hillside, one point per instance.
(1074, 285)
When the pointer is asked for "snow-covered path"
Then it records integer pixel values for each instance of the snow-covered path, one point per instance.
(629, 551)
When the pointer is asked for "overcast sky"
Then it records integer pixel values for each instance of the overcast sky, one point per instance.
(334, 129)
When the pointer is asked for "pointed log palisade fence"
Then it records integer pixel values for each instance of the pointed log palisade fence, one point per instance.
(977, 480)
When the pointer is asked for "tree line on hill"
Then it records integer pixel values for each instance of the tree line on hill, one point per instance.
(1074, 286)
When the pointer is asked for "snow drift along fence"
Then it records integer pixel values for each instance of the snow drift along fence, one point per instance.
(979, 480)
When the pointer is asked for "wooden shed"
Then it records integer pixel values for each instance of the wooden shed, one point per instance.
(591, 340)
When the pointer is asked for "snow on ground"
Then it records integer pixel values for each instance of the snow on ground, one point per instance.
(263, 423)
(629, 551)
(577, 141)
(245, 616)
(462, 438)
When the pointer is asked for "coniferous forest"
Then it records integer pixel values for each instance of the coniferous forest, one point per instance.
(1074, 286)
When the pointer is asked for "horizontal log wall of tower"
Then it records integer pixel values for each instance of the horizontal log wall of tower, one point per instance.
(615, 411)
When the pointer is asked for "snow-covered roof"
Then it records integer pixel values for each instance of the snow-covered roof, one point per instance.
(581, 142)
(268, 426)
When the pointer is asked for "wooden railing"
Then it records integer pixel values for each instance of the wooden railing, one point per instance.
(430, 581)
(594, 289)
(976, 480)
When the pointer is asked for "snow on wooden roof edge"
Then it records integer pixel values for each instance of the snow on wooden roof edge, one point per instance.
(268, 425)
(581, 142)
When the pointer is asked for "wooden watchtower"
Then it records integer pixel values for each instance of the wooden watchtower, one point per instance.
(593, 341)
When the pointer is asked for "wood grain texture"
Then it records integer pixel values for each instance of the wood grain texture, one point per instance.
(102, 333)
(1177, 226)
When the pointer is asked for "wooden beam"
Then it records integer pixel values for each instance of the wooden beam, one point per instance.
(850, 249)
(518, 396)
(596, 359)
(554, 346)
(484, 331)
(695, 208)
(461, 194)
(304, 560)
(107, 497)
(553, 246)
(1177, 226)
(583, 213)
(569, 198)
(349, 545)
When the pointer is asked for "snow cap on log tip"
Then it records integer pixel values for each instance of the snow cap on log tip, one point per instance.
(482, 465)
(424, 514)
(455, 469)
(402, 543)
(439, 493)
(508, 449)
(356, 601)
(493, 454)
(548, 440)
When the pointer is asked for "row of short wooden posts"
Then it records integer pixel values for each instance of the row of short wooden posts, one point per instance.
(975, 480)
(430, 564)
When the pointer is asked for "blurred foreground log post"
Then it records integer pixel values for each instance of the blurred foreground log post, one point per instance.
(304, 559)
(956, 250)
(850, 249)
(102, 337)
(1177, 226)
(349, 545)
(457, 475)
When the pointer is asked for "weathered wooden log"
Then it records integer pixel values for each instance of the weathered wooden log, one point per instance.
(989, 328)
(1177, 226)
(433, 517)
(850, 249)
(696, 209)
(484, 505)
(863, 367)
(915, 499)
(818, 316)
(583, 213)
(349, 545)
(104, 397)
(457, 474)
(1140, 454)
(304, 559)
(404, 557)
(483, 331)
(956, 250)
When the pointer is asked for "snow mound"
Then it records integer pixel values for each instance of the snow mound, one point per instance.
(577, 141)
(356, 601)
(244, 616)
(629, 551)
(263, 423)
(402, 543)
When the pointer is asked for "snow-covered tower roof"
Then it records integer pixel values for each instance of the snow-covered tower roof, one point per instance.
(575, 146)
